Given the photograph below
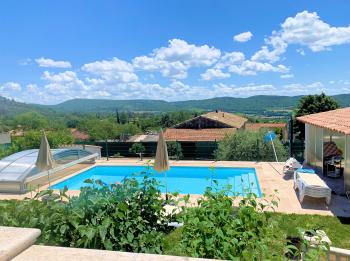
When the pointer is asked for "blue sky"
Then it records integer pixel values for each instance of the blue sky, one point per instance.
(51, 51)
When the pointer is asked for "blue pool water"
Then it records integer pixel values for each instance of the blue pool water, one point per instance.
(185, 180)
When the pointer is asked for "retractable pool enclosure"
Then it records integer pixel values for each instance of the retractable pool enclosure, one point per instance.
(18, 169)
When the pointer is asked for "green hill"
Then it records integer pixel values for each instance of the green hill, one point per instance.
(254, 104)
(100, 105)
(343, 99)
(263, 104)
(10, 107)
(245, 105)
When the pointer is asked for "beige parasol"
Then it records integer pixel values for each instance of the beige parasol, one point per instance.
(161, 162)
(45, 160)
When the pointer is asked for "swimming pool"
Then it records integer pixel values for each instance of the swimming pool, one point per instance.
(185, 180)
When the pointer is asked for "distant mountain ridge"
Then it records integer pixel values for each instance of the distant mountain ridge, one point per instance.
(253, 104)
(10, 107)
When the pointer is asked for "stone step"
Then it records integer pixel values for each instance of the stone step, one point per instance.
(14, 240)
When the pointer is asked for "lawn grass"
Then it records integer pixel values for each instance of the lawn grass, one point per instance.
(337, 230)
(171, 243)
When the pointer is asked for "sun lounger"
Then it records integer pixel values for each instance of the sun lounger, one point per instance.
(309, 184)
(291, 165)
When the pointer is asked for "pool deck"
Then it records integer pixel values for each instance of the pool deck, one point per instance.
(269, 174)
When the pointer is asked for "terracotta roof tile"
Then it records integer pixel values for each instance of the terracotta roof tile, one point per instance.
(79, 135)
(336, 120)
(197, 135)
(258, 126)
(227, 118)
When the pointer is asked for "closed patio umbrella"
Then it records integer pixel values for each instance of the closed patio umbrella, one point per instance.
(161, 162)
(45, 160)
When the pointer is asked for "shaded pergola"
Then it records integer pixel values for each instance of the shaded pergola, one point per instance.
(328, 133)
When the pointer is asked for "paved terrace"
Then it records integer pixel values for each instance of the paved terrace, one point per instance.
(269, 174)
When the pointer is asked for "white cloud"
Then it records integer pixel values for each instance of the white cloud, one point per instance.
(10, 87)
(49, 63)
(249, 67)
(174, 60)
(64, 85)
(235, 62)
(32, 88)
(114, 70)
(305, 29)
(309, 30)
(264, 54)
(340, 82)
(301, 88)
(242, 91)
(214, 74)
(67, 76)
(229, 59)
(103, 93)
(243, 37)
(287, 76)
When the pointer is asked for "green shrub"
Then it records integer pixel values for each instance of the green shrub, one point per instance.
(128, 217)
(31, 140)
(215, 229)
(174, 150)
(249, 146)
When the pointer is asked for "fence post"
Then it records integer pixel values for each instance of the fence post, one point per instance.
(107, 154)
(257, 150)
(290, 138)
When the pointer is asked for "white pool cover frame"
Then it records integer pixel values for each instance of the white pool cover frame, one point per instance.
(18, 169)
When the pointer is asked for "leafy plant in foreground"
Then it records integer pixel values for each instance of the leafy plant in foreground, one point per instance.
(215, 229)
(128, 217)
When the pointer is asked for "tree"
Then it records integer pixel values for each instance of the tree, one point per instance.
(117, 116)
(31, 140)
(312, 104)
(32, 120)
(249, 146)
(102, 130)
(124, 117)
(174, 149)
(128, 129)
(166, 121)
(138, 148)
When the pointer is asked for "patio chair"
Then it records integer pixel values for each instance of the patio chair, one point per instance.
(291, 165)
(310, 184)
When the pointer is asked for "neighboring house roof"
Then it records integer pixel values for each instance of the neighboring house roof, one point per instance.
(5, 138)
(17, 133)
(143, 138)
(79, 135)
(197, 135)
(230, 119)
(335, 120)
(219, 119)
(258, 126)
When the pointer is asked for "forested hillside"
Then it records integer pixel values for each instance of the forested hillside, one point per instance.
(255, 105)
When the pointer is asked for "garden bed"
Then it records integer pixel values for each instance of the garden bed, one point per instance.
(132, 218)
(337, 229)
